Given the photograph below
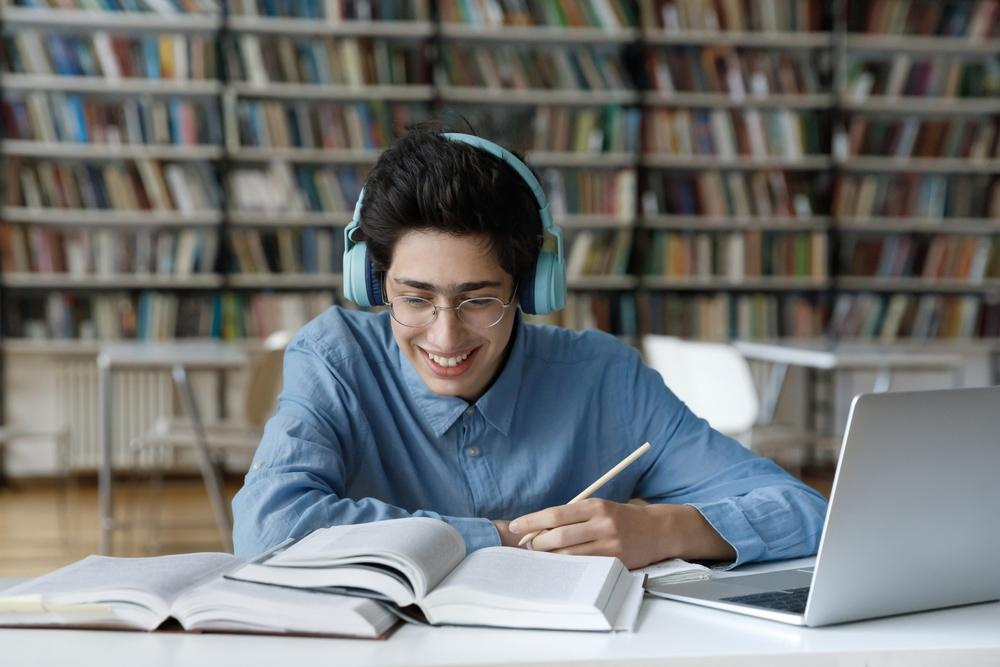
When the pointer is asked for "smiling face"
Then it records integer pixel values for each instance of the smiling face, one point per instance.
(451, 357)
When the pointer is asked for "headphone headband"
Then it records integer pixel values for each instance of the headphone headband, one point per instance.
(544, 293)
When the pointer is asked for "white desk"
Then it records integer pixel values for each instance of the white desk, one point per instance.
(831, 356)
(668, 633)
(179, 358)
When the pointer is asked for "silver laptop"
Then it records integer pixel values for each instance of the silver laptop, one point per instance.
(912, 522)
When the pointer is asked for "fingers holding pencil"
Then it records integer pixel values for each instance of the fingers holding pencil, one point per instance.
(590, 490)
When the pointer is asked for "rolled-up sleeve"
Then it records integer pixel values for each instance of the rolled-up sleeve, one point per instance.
(761, 510)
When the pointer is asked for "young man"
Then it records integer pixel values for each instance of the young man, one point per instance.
(449, 405)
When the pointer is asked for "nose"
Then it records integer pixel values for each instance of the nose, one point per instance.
(445, 332)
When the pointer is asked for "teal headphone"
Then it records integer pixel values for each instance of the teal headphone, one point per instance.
(544, 292)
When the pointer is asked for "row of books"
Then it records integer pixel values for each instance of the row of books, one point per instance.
(608, 129)
(111, 55)
(730, 133)
(968, 258)
(606, 14)
(284, 189)
(917, 195)
(38, 116)
(975, 19)
(599, 253)
(591, 192)
(161, 316)
(354, 125)
(972, 138)
(926, 76)
(761, 194)
(335, 10)
(290, 251)
(165, 7)
(736, 255)
(118, 185)
(737, 72)
(613, 312)
(734, 15)
(529, 67)
(911, 316)
(102, 252)
(264, 59)
(722, 316)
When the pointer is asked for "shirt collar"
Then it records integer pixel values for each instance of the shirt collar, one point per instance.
(496, 405)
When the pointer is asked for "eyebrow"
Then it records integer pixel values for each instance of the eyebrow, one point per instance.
(449, 290)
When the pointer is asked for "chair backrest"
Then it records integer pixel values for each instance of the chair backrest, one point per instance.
(264, 378)
(713, 379)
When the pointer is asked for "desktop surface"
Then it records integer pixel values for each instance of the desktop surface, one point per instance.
(667, 632)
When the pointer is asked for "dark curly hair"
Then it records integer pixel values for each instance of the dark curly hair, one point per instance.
(427, 182)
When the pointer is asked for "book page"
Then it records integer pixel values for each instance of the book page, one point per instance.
(529, 579)
(425, 550)
(222, 604)
(154, 581)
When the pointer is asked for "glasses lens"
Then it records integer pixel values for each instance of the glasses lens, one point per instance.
(481, 313)
(412, 311)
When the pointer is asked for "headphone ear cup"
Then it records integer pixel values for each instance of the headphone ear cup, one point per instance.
(548, 289)
(356, 270)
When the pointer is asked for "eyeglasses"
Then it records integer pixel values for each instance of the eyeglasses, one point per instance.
(480, 312)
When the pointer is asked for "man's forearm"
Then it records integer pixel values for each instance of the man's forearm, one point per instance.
(684, 533)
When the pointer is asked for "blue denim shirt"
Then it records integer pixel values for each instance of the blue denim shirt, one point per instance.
(359, 437)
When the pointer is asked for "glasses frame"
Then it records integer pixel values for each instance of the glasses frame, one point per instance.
(456, 308)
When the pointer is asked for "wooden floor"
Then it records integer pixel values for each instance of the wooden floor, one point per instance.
(44, 526)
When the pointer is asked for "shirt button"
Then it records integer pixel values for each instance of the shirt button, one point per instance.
(256, 466)
(471, 410)
(472, 451)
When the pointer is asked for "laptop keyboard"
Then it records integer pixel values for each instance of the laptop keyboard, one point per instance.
(793, 599)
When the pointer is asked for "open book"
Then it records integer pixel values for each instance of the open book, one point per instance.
(421, 561)
(672, 571)
(143, 593)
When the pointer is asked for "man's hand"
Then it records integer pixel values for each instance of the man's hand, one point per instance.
(636, 534)
(507, 538)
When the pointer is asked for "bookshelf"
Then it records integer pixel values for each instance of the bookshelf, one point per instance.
(917, 198)
(735, 168)
(722, 168)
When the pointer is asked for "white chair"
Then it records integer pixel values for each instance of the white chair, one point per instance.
(170, 438)
(715, 382)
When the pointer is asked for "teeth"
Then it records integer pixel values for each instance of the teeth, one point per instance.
(449, 362)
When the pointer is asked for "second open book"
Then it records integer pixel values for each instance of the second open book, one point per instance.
(422, 562)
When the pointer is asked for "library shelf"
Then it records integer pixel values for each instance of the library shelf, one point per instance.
(104, 152)
(81, 20)
(332, 92)
(319, 27)
(921, 44)
(287, 219)
(734, 223)
(88, 217)
(925, 165)
(742, 162)
(538, 34)
(757, 39)
(726, 101)
(748, 283)
(607, 282)
(990, 286)
(920, 225)
(120, 87)
(285, 281)
(553, 96)
(66, 281)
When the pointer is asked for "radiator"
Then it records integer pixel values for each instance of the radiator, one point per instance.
(140, 396)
